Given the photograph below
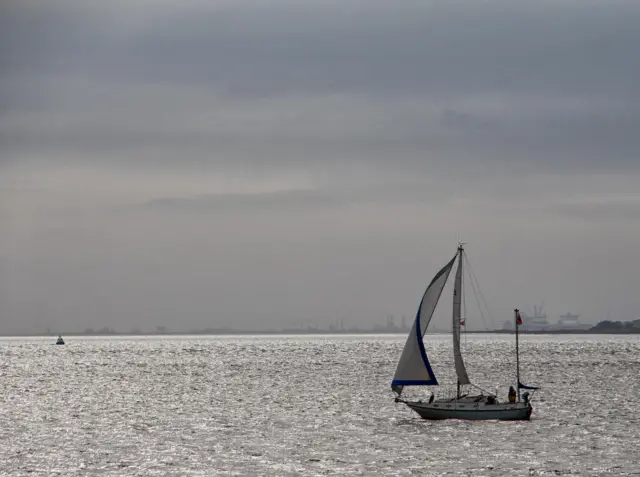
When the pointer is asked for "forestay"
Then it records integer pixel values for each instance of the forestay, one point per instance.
(414, 368)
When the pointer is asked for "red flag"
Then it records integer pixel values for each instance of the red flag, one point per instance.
(461, 322)
(518, 319)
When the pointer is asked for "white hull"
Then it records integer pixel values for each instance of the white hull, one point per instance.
(469, 409)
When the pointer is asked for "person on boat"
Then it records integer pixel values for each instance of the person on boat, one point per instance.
(525, 397)
(512, 394)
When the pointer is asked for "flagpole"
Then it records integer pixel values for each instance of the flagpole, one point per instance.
(515, 317)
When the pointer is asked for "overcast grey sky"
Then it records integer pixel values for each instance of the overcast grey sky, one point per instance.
(269, 163)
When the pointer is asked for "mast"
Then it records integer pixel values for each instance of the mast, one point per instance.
(460, 245)
(515, 318)
(454, 305)
(461, 372)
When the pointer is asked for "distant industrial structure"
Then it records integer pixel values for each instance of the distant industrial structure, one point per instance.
(538, 321)
(391, 327)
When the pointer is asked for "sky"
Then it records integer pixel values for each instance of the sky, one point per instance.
(268, 164)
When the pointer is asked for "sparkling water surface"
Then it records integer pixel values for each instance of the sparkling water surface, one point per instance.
(308, 405)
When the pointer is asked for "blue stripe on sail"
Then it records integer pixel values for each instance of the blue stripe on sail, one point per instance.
(432, 378)
(411, 382)
(432, 381)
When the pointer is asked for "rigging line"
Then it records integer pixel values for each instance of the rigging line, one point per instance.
(464, 308)
(483, 390)
(474, 280)
(473, 276)
(481, 294)
(453, 330)
(475, 294)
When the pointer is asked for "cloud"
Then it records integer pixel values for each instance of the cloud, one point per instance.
(605, 210)
(234, 83)
(275, 47)
(261, 146)
(140, 126)
(327, 197)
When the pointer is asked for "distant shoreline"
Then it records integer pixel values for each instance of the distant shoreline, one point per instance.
(591, 331)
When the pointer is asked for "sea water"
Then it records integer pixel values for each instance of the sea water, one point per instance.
(308, 405)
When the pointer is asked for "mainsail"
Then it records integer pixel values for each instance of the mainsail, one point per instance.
(457, 301)
(414, 368)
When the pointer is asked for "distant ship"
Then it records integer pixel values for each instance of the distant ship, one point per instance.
(536, 322)
(570, 321)
(539, 322)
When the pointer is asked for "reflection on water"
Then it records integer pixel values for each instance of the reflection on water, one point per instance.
(307, 405)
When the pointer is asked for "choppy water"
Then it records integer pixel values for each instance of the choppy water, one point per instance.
(307, 405)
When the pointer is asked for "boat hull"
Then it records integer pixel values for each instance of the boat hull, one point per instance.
(438, 410)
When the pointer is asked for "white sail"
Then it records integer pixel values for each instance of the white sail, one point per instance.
(414, 368)
(457, 302)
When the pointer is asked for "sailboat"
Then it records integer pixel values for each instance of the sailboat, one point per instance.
(414, 368)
